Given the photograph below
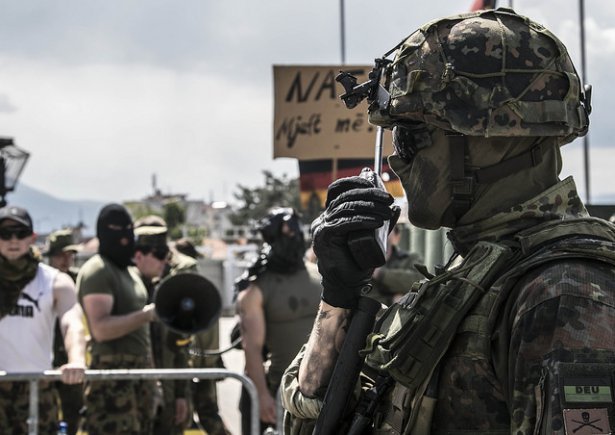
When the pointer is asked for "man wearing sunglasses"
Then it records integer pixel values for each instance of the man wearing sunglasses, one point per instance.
(522, 317)
(32, 296)
(170, 350)
(115, 302)
(204, 394)
(168, 347)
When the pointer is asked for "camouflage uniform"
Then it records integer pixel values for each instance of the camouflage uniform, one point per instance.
(115, 407)
(118, 406)
(532, 351)
(15, 419)
(170, 348)
(204, 395)
(169, 351)
(560, 312)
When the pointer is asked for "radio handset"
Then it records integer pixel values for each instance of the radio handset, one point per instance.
(369, 247)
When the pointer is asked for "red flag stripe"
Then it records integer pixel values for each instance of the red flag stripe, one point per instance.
(483, 4)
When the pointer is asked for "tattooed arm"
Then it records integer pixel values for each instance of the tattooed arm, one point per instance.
(322, 349)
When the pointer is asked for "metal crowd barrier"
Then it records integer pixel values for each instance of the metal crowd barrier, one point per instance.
(103, 375)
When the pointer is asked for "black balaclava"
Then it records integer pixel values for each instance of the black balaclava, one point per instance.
(284, 253)
(110, 245)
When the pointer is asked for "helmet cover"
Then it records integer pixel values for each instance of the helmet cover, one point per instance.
(487, 73)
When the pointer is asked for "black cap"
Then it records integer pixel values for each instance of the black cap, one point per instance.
(17, 214)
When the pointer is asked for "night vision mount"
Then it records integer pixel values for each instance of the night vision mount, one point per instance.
(377, 96)
(368, 247)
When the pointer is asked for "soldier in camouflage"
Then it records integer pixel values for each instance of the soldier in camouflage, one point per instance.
(516, 333)
(151, 254)
(204, 395)
(171, 349)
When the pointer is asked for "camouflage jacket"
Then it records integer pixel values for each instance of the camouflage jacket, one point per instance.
(510, 362)
(169, 347)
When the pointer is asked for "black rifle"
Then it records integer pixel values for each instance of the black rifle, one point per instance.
(364, 413)
(368, 249)
(347, 368)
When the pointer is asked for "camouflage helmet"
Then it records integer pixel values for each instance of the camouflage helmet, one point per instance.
(487, 73)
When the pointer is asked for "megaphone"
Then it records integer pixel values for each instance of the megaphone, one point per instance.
(187, 302)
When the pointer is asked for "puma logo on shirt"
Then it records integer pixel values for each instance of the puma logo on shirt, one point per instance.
(26, 310)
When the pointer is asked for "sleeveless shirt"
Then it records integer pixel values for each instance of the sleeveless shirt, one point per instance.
(26, 334)
(291, 303)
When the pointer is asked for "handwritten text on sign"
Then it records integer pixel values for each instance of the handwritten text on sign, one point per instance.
(310, 120)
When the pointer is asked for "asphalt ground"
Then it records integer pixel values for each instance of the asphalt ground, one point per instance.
(229, 390)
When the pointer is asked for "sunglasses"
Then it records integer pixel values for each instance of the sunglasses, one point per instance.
(8, 233)
(409, 139)
(160, 252)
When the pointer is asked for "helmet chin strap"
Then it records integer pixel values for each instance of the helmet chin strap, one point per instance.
(461, 178)
(464, 178)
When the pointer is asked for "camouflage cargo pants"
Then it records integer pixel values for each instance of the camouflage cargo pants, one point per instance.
(15, 408)
(206, 406)
(204, 394)
(119, 407)
(164, 420)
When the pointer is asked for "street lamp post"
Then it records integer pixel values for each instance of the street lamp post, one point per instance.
(12, 161)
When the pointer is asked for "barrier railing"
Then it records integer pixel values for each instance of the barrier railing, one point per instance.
(107, 375)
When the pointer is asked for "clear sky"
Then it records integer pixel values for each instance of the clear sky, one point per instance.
(106, 93)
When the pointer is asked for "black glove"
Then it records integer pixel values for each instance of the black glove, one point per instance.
(353, 204)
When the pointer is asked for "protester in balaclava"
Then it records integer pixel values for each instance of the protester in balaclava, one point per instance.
(32, 296)
(277, 303)
(114, 300)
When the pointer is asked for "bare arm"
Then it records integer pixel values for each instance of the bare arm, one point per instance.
(70, 316)
(104, 326)
(252, 323)
(322, 349)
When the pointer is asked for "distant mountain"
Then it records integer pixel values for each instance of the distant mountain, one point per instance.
(50, 213)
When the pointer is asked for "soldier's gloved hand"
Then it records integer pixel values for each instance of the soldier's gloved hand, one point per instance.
(353, 204)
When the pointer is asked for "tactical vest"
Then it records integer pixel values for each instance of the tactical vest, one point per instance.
(413, 335)
(290, 304)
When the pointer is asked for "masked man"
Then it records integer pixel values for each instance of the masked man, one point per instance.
(276, 309)
(516, 334)
(114, 300)
(32, 296)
